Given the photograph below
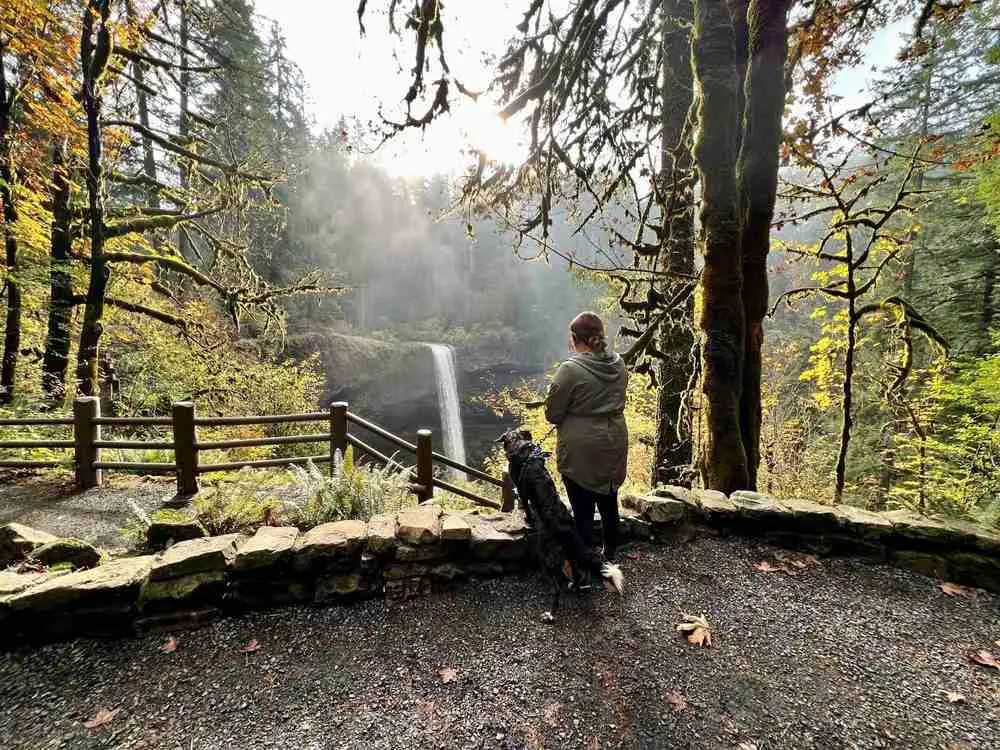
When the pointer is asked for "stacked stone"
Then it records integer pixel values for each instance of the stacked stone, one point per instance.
(187, 582)
(949, 550)
(96, 601)
(262, 574)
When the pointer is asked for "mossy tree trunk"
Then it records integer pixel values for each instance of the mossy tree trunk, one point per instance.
(673, 459)
(57, 338)
(12, 289)
(723, 459)
(94, 54)
(758, 175)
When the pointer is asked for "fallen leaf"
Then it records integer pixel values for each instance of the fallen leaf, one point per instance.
(547, 616)
(594, 743)
(953, 697)
(631, 555)
(551, 714)
(169, 646)
(448, 674)
(697, 630)
(101, 718)
(985, 658)
(676, 701)
(798, 561)
(766, 567)
(953, 589)
(746, 745)
(425, 707)
(250, 647)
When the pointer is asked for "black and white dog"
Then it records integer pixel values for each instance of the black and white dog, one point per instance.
(557, 538)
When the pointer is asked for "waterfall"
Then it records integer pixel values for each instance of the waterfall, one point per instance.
(447, 390)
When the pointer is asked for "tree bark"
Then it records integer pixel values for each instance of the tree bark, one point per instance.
(142, 108)
(57, 338)
(848, 395)
(94, 56)
(723, 459)
(673, 457)
(758, 175)
(12, 330)
(183, 244)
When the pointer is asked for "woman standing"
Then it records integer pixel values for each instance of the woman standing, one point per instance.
(586, 403)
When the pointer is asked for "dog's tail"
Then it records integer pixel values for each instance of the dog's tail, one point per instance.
(611, 572)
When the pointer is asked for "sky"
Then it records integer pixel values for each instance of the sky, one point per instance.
(350, 75)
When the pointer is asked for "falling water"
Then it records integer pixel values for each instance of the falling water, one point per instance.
(447, 389)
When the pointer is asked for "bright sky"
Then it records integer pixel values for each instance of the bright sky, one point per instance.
(350, 75)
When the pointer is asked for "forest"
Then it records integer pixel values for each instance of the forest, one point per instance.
(804, 284)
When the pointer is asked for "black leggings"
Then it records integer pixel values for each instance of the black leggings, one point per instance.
(584, 501)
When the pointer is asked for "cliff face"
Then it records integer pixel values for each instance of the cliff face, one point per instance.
(394, 384)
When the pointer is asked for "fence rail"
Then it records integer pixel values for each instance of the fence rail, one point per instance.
(88, 442)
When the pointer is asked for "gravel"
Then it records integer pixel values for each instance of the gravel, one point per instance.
(96, 516)
(843, 655)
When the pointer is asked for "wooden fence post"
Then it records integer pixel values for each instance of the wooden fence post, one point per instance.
(185, 447)
(86, 431)
(507, 494)
(338, 430)
(425, 465)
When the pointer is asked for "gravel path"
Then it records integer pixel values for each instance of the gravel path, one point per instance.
(96, 516)
(844, 655)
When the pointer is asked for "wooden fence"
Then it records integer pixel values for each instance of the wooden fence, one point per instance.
(88, 442)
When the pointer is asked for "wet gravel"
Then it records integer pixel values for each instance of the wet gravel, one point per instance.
(96, 516)
(844, 655)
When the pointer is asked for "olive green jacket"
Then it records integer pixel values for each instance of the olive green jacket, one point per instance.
(586, 403)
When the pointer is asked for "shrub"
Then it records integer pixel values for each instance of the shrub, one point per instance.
(351, 491)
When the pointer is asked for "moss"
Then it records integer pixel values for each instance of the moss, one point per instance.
(169, 516)
(73, 552)
(178, 588)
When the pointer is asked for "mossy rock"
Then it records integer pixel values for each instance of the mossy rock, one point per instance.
(17, 541)
(171, 526)
(75, 553)
(199, 588)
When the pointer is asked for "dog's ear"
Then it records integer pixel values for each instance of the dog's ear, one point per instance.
(525, 435)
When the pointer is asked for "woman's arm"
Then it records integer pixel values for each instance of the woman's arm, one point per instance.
(559, 396)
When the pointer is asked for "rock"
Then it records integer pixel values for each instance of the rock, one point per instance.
(490, 542)
(976, 570)
(862, 523)
(406, 553)
(171, 526)
(330, 543)
(269, 547)
(206, 555)
(17, 541)
(632, 526)
(381, 534)
(420, 525)
(113, 583)
(407, 588)
(405, 570)
(454, 528)
(932, 565)
(809, 516)
(268, 592)
(12, 582)
(715, 507)
(657, 510)
(915, 527)
(447, 572)
(197, 589)
(979, 539)
(74, 553)
(673, 492)
(175, 621)
(334, 588)
(756, 507)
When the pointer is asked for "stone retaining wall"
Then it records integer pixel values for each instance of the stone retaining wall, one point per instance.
(948, 550)
(408, 554)
(196, 580)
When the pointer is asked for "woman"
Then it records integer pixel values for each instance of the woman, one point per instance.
(586, 403)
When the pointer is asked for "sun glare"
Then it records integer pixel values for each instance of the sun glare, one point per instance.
(499, 139)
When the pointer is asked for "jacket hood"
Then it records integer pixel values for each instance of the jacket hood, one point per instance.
(607, 366)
